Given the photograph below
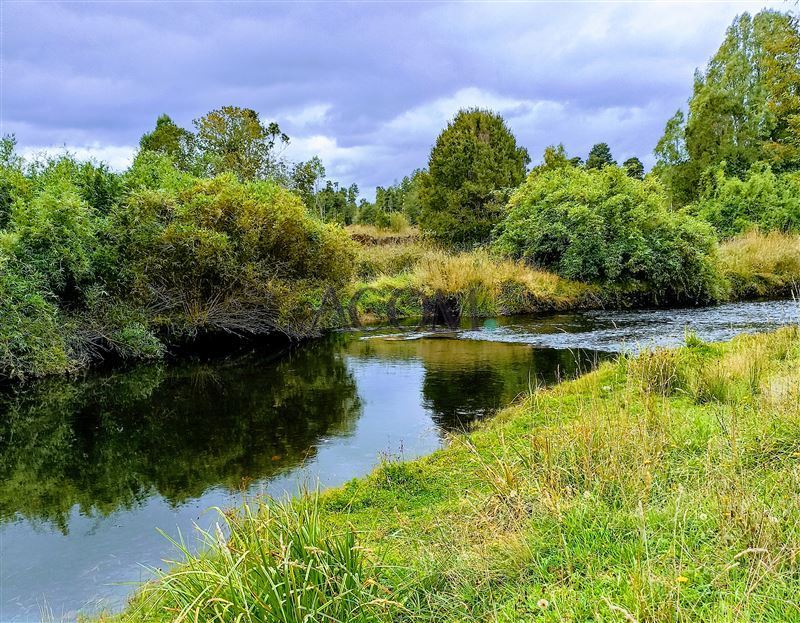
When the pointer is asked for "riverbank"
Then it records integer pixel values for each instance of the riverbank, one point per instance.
(400, 275)
(658, 488)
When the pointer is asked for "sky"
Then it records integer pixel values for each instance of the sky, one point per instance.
(367, 86)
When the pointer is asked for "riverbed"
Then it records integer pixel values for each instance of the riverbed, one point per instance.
(91, 468)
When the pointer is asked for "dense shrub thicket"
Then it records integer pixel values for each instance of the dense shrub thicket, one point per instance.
(603, 226)
(96, 264)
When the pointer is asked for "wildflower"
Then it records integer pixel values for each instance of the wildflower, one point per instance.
(682, 579)
(543, 604)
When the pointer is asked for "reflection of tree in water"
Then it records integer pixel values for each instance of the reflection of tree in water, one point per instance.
(109, 441)
(474, 390)
(470, 379)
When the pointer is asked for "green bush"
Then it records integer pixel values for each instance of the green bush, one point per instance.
(224, 255)
(605, 227)
(55, 235)
(31, 337)
(763, 199)
(474, 162)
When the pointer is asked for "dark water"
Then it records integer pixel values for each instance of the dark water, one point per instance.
(89, 468)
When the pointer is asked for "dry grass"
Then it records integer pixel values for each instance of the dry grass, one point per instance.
(370, 234)
(761, 265)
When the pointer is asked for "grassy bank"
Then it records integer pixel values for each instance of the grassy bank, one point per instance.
(657, 488)
(396, 272)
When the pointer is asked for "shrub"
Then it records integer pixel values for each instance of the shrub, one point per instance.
(31, 338)
(224, 255)
(604, 227)
(398, 223)
(763, 199)
(55, 235)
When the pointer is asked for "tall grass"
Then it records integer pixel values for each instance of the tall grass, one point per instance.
(761, 265)
(279, 563)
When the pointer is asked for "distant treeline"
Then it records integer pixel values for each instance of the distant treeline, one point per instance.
(212, 230)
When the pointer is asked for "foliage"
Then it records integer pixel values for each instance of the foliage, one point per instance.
(172, 141)
(744, 108)
(634, 168)
(227, 140)
(123, 265)
(474, 162)
(224, 255)
(32, 340)
(762, 199)
(604, 227)
(13, 183)
(600, 156)
(234, 140)
(55, 234)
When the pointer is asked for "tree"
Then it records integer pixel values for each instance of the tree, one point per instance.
(600, 156)
(234, 140)
(305, 179)
(13, 184)
(745, 107)
(634, 168)
(472, 166)
(555, 157)
(170, 140)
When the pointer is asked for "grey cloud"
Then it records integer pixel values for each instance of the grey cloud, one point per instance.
(95, 76)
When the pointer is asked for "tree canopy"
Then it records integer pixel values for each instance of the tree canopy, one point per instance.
(745, 107)
(473, 165)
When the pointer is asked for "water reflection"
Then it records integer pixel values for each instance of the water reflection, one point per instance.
(90, 467)
(111, 441)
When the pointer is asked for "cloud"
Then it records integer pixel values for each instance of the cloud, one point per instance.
(117, 157)
(311, 115)
(367, 85)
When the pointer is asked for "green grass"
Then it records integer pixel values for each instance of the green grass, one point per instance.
(658, 488)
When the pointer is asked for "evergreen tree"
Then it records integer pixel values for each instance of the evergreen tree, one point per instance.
(600, 156)
(634, 168)
(473, 159)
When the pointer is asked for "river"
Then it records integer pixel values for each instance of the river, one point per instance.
(91, 467)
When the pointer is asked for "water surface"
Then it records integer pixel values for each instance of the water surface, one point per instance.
(89, 468)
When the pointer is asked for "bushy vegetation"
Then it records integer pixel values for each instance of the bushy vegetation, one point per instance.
(95, 264)
(661, 487)
(760, 200)
(602, 226)
(473, 165)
